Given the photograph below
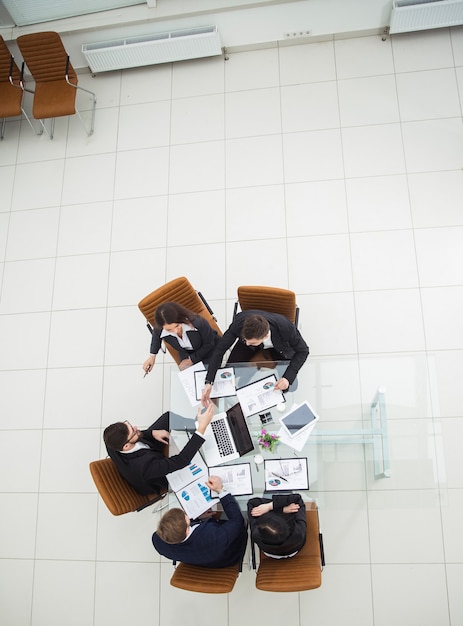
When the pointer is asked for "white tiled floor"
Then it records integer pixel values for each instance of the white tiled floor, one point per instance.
(333, 169)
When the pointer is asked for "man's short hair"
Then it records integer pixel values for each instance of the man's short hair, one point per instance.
(172, 526)
(115, 435)
(272, 529)
(255, 327)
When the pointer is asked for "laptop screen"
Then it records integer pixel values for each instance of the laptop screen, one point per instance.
(239, 430)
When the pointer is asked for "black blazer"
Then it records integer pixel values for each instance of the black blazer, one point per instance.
(296, 521)
(213, 543)
(146, 469)
(286, 339)
(203, 341)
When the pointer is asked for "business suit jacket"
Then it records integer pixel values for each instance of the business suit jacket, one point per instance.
(296, 522)
(213, 543)
(203, 341)
(146, 469)
(287, 342)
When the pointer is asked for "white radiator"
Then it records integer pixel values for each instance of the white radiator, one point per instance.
(411, 15)
(178, 45)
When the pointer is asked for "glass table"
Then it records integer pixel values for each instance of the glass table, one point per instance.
(372, 430)
(183, 415)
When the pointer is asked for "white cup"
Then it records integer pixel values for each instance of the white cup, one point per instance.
(281, 407)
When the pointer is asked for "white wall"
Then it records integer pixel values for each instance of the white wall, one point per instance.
(240, 24)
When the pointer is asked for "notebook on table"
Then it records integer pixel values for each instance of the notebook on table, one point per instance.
(227, 437)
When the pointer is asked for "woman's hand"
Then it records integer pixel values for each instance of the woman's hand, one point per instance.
(148, 364)
(291, 508)
(185, 363)
(257, 511)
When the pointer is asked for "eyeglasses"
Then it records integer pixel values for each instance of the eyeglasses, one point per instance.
(134, 432)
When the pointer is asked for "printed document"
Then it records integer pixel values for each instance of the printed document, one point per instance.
(259, 396)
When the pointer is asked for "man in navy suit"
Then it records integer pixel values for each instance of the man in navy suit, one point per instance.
(210, 542)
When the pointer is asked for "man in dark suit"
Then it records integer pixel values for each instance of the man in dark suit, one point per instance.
(210, 542)
(253, 330)
(139, 455)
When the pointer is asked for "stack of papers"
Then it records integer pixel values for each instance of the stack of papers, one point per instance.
(189, 485)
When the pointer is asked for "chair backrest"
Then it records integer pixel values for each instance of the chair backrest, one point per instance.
(205, 579)
(300, 572)
(10, 95)
(46, 57)
(115, 491)
(272, 299)
(178, 290)
(47, 60)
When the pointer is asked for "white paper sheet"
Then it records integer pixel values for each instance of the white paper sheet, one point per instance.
(187, 378)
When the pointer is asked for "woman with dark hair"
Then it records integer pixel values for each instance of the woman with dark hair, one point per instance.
(187, 333)
(278, 526)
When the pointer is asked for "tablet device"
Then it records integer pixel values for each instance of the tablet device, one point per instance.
(299, 420)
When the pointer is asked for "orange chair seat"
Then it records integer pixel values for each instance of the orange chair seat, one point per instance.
(205, 579)
(53, 99)
(300, 572)
(10, 100)
(10, 96)
(116, 493)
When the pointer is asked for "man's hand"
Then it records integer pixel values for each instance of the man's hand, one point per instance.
(257, 511)
(184, 364)
(291, 508)
(204, 418)
(282, 384)
(161, 435)
(215, 483)
(148, 364)
(205, 398)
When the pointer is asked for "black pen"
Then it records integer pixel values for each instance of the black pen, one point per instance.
(278, 476)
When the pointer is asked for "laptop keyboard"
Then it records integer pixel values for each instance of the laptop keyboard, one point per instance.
(222, 437)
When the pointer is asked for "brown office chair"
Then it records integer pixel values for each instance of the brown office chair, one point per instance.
(178, 290)
(11, 91)
(116, 492)
(205, 579)
(55, 79)
(272, 299)
(298, 573)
